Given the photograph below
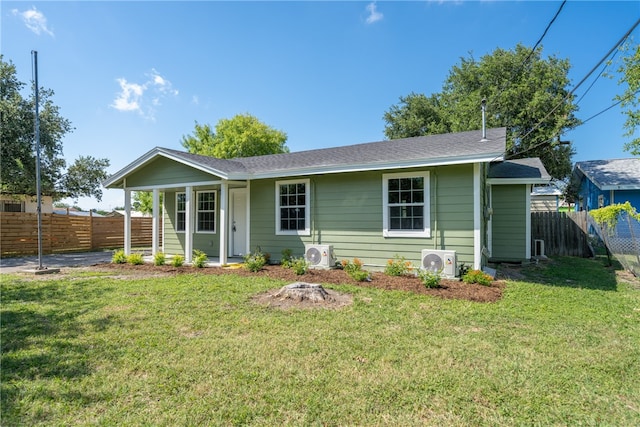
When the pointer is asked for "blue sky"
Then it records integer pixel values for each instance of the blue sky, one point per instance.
(131, 76)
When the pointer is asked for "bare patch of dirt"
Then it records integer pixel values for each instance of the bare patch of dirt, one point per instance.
(450, 289)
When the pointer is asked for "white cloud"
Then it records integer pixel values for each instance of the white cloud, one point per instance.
(34, 20)
(143, 98)
(374, 15)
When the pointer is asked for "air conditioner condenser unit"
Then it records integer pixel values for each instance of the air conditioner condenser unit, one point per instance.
(440, 261)
(319, 256)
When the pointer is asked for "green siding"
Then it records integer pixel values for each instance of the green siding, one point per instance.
(163, 171)
(508, 223)
(173, 241)
(346, 212)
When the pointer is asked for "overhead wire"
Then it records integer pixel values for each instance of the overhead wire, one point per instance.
(570, 93)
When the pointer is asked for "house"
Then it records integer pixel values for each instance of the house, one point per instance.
(546, 198)
(24, 203)
(76, 212)
(602, 183)
(134, 214)
(374, 200)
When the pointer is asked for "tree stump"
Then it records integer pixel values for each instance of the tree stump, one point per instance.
(301, 291)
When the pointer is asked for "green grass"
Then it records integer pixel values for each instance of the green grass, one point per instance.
(560, 349)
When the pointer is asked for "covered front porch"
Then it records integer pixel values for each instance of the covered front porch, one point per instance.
(209, 216)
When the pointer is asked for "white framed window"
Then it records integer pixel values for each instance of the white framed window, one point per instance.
(600, 201)
(181, 211)
(206, 212)
(292, 207)
(406, 207)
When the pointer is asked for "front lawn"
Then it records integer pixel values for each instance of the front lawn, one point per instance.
(560, 348)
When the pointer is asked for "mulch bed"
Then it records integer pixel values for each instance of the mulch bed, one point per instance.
(450, 289)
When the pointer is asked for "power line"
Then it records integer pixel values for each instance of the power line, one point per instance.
(626, 35)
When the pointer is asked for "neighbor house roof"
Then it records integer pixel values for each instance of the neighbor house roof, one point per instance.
(432, 150)
(518, 171)
(616, 174)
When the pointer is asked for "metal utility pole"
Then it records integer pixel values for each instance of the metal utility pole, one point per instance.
(37, 136)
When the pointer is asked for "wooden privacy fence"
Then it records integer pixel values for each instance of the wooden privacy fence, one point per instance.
(563, 233)
(66, 233)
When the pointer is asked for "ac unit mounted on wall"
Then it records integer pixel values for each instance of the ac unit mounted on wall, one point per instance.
(319, 256)
(440, 261)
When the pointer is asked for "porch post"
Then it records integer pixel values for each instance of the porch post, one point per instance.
(223, 226)
(188, 226)
(155, 221)
(127, 222)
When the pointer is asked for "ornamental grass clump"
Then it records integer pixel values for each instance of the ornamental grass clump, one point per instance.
(398, 266)
(159, 258)
(177, 261)
(119, 257)
(135, 259)
(477, 276)
(354, 270)
(199, 259)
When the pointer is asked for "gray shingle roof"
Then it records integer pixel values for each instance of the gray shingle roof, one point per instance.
(616, 174)
(461, 147)
(428, 148)
(528, 169)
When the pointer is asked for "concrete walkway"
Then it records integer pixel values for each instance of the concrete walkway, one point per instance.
(80, 259)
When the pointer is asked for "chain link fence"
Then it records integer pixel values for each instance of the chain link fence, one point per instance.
(623, 240)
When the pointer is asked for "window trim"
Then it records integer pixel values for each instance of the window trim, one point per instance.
(426, 231)
(307, 208)
(215, 212)
(178, 193)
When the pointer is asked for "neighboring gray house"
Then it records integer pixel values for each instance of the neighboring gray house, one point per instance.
(606, 182)
(546, 198)
(449, 192)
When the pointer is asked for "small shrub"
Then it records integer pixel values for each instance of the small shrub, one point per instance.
(159, 258)
(398, 266)
(254, 261)
(177, 260)
(199, 259)
(477, 276)
(135, 259)
(300, 265)
(429, 278)
(354, 270)
(287, 258)
(119, 257)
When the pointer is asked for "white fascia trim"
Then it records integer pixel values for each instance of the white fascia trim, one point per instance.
(176, 186)
(619, 187)
(147, 157)
(445, 161)
(507, 181)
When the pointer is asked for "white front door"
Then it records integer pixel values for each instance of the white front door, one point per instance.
(238, 222)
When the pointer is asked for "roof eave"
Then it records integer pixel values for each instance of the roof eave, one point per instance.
(117, 179)
(507, 181)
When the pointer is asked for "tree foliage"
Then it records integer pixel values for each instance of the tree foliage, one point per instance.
(241, 136)
(17, 146)
(629, 100)
(143, 202)
(525, 93)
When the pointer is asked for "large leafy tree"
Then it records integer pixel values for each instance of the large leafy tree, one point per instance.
(17, 146)
(525, 93)
(629, 100)
(241, 136)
